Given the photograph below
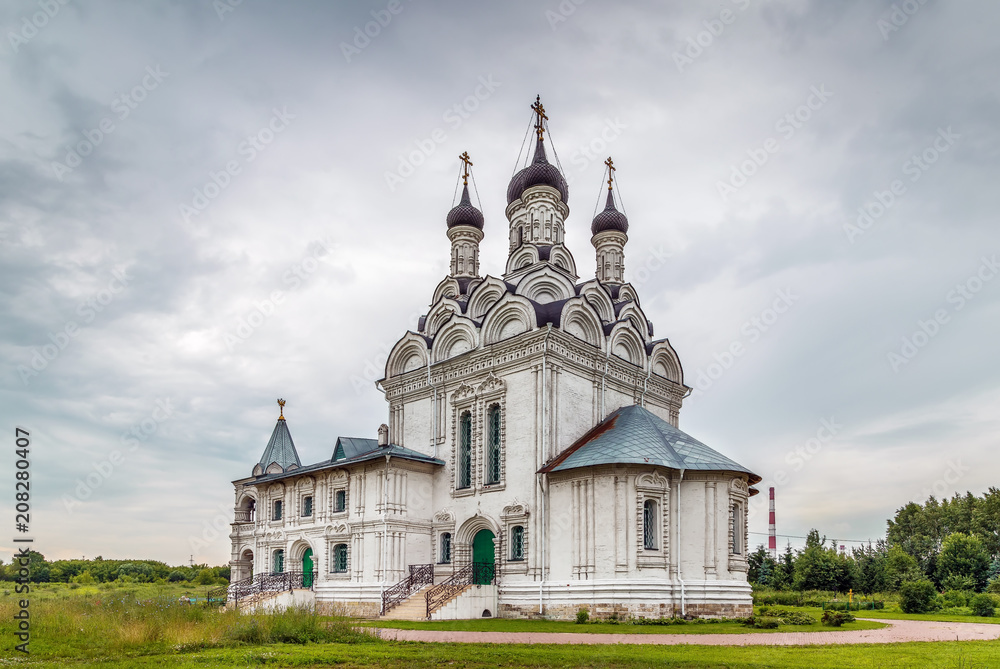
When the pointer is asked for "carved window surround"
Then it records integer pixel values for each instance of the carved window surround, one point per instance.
(656, 487)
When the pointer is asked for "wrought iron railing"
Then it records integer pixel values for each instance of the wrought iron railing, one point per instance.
(420, 575)
(286, 580)
(476, 573)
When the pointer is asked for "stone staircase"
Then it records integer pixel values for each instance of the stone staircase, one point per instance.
(413, 607)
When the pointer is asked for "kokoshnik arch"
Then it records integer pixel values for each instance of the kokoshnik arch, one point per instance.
(532, 428)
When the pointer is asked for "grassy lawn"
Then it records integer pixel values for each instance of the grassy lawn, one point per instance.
(940, 617)
(549, 626)
(950, 655)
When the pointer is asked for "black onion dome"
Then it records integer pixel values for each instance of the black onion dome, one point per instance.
(465, 213)
(609, 219)
(539, 173)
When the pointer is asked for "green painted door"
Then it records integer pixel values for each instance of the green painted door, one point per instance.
(307, 568)
(483, 557)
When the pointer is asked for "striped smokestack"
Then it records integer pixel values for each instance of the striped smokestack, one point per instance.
(772, 538)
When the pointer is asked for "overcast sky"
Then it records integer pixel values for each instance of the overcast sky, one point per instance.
(206, 206)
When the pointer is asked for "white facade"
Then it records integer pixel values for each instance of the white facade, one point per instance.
(503, 377)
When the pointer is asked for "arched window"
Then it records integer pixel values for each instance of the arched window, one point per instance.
(340, 501)
(445, 548)
(493, 445)
(516, 543)
(279, 561)
(340, 558)
(649, 524)
(465, 450)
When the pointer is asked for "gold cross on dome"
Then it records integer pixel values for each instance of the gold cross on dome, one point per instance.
(467, 164)
(281, 405)
(539, 116)
(611, 170)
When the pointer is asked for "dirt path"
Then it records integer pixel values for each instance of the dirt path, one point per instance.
(898, 631)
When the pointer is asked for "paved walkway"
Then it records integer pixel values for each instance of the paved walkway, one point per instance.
(898, 631)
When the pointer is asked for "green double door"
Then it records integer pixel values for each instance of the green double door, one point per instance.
(483, 557)
(307, 568)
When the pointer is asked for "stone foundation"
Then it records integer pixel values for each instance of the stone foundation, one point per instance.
(351, 609)
(626, 611)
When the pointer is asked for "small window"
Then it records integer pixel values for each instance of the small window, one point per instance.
(340, 501)
(737, 528)
(279, 561)
(517, 543)
(649, 524)
(307, 506)
(340, 558)
(465, 451)
(493, 445)
(445, 548)
(276, 515)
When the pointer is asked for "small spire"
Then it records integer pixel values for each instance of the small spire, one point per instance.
(467, 163)
(611, 170)
(281, 406)
(539, 117)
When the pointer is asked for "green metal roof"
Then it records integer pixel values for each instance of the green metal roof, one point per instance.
(280, 448)
(634, 435)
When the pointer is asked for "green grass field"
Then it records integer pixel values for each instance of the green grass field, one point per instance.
(146, 626)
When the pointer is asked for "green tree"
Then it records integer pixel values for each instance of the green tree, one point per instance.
(872, 568)
(964, 556)
(986, 521)
(900, 567)
(821, 568)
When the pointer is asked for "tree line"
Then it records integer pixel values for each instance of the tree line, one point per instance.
(99, 570)
(949, 545)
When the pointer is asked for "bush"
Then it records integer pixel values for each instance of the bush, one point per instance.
(796, 618)
(994, 586)
(982, 605)
(582, 616)
(766, 622)
(951, 598)
(917, 597)
(837, 618)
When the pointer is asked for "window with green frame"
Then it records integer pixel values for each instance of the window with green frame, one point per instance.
(445, 548)
(517, 543)
(493, 445)
(340, 558)
(465, 450)
(340, 501)
(276, 512)
(307, 506)
(279, 561)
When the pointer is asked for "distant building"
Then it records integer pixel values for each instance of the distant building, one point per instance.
(532, 432)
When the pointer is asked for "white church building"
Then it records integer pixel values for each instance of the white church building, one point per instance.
(531, 463)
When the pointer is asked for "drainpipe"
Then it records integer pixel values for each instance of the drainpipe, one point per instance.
(385, 528)
(545, 492)
(680, 558)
